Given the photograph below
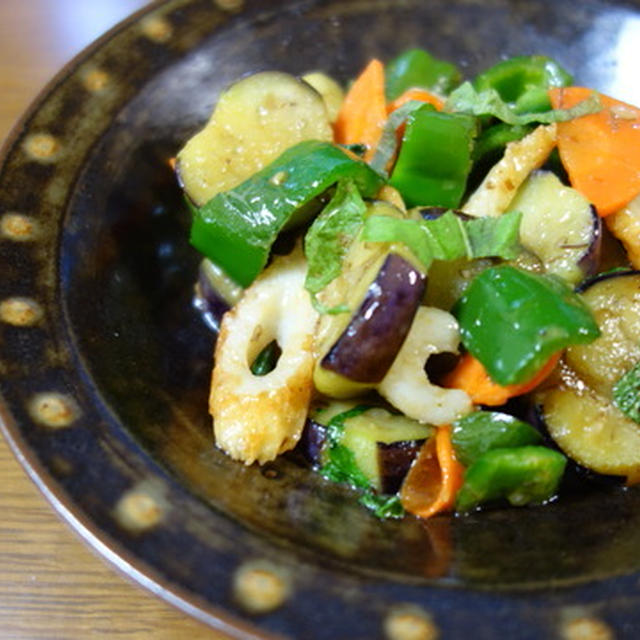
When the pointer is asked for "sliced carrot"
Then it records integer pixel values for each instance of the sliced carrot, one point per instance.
(600, 151)
(471, 376)
(364, 110)
(434, 478)
(418, 94)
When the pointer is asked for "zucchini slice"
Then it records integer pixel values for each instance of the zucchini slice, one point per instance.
(255, 120)
(383, 444)
(382, 287)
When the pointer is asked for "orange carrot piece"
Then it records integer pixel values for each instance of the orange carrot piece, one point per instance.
(471, 376)
(434, 478)
(364, 110)
(600, 151)
(418, 94)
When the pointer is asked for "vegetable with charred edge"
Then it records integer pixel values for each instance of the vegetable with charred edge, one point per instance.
(254, 121)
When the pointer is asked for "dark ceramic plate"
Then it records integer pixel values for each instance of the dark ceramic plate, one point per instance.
(104, 364)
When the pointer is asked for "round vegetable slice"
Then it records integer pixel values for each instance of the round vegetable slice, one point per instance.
(580, 413)
(255, 120)
(614, 300)
(593, 432)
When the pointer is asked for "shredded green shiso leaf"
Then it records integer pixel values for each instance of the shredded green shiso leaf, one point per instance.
(487, 102)
(626, 394)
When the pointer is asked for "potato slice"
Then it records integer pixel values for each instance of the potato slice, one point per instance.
(255, 120)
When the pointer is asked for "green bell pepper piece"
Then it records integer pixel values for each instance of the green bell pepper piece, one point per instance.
(418, 68)
(480, 431)
(522, 475)
(266, 360)
(493, 139)
(523, 81)
(514, 321)
(236, 228)
(435, 158)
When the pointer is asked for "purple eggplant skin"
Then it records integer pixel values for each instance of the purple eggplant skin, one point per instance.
(433, 213)
(209, 302)
(590, 259)
(312, 441)
(394, 461)
(616, 273)
(577, 478)
(369, 344)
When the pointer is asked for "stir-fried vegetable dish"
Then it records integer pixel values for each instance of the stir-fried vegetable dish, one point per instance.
(424, 285)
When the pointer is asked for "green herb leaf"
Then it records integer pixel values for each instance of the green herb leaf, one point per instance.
(341, 467)
(383, 506)
(626, 394)
(329, 237)
(449, 237)
(495, 237)
(480, 431)
(466, 99)
(237, 228)
(335, 426)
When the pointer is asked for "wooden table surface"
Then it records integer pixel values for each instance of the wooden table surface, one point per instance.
(51, 586)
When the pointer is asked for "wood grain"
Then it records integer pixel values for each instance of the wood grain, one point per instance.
(51, 585)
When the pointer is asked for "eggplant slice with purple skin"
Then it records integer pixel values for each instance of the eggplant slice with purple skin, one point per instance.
(559, 225)
(381, 288)
(367, 347)
(215, 293)
(579, 412)
(383, 444)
